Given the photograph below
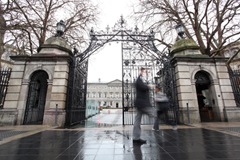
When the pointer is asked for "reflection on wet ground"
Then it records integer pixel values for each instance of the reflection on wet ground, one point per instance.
(116, 144)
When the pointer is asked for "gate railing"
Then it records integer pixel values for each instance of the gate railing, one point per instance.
(76, 96)
(4, 79)
(235, 81)
(169, 86)
(167, 80)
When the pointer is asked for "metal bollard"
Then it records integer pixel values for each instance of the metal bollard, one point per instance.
(188, 113)
(56, 114)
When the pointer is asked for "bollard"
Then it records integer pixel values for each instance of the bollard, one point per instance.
(56, 114)
(188, 113)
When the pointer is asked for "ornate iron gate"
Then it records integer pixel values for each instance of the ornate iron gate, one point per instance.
(235, 80)
(36, 98)
(160, 73)
(138, 50)
(133, 58)
(4, 79)
(167, 79)
(76, 96)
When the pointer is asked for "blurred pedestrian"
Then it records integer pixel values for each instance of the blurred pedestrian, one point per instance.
(142, 104)
(162, 106)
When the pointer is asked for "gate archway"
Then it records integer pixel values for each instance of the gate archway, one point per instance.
(205, 98)
(37, 91)
(138, 50)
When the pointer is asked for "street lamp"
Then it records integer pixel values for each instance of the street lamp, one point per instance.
(180, 30)
(60, 28)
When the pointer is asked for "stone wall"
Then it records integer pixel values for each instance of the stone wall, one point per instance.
(221, 92)
(54, 58)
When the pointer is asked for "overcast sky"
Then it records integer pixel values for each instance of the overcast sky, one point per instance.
(106, 63)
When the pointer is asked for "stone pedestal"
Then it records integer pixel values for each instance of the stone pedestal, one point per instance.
(188, 61)
(53, 58)
(188, 116)
(54, 117)
(232, 114)
(8, 116)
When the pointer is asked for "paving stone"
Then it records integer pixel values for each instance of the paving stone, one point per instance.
(114, 144)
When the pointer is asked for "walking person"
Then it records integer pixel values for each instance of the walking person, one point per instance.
(142, 104)
(162, 106)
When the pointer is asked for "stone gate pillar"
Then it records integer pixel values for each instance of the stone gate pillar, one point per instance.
(189, 62)
(54, 57)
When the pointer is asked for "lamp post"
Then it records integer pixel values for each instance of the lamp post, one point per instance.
(180, 30)
(60, 28)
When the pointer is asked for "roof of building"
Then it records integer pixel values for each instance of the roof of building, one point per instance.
(104, 83)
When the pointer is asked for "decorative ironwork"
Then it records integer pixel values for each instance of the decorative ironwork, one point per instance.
(4, 79)
(138, 50)
(235, 80)
(167, 81)
(133, 58)
(77, 86)
(36, 98)
(120, 33)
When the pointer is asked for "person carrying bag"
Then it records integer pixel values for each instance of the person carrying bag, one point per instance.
(162, 106)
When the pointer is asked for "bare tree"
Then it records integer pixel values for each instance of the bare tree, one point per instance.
(2, 31)
(213, 24)
(30, 22)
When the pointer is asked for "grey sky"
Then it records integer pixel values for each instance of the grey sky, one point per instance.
(106, 63)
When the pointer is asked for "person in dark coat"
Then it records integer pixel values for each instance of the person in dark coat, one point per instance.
(142, 104)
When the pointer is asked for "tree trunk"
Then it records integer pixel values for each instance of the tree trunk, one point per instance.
(2, 32)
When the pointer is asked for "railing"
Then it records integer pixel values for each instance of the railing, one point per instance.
(76, 96)
(4, 79)
(235, 81)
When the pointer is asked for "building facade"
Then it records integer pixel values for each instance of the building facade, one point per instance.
(106, 94)
(37, 88)
(6, 61)
(232, 51)
(199, 75)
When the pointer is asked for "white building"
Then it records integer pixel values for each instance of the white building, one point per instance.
(6, 61)
(106, 94)
(231, 51)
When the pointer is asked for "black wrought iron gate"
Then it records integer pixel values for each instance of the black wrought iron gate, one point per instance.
(159, 72)
(235, 81)
(76, 95)
(4, 79)
(135, 57)
(36, 98)
(167, 79)
(138, 50)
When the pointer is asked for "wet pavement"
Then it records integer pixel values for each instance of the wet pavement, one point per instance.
(204, 141)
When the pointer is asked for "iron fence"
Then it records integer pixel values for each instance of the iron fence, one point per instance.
(168, 82)
(164, 76)
(235, 81)
(4, 79)
(76, 96)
